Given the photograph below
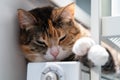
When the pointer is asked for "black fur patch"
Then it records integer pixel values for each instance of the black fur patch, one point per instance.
(42, 15)
(110, 65)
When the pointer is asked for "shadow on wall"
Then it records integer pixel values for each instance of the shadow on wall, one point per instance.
(12, 63)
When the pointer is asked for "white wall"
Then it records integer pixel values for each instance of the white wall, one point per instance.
(12, 63)
(85, 5)
(115, 7)
(106, 8)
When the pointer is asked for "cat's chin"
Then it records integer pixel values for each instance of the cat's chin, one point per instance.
(52, 60)
(55, 61)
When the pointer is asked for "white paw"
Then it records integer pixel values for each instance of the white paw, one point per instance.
(98, 55)
(82, 46)
(117, 70)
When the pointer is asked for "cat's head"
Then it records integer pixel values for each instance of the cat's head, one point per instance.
(47, 34)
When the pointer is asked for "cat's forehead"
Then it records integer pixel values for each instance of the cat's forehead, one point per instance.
(51, 31)
(52, 21)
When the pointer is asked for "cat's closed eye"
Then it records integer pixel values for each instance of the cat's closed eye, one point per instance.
(62, 38)
(40, 43)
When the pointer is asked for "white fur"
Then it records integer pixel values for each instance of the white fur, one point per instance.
(117, 70)
(82, 46)
(98, 55)
(48, 56)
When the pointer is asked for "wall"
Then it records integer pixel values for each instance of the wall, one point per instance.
(115, 8)
(12, 63)
(85, 5)
(106, 8)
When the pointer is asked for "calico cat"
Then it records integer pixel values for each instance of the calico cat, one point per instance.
(52, 34)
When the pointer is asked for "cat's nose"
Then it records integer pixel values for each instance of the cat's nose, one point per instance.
(54, 52)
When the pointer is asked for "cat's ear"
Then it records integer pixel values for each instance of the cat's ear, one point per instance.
(68, 11)
(25, 19)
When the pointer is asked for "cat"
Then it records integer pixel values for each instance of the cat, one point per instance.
(52, 34)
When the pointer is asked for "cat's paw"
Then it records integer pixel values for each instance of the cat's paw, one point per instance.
(82, 46)
(98, 55)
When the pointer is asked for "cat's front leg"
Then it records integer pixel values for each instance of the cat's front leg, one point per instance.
(82, 46)
(95, 53)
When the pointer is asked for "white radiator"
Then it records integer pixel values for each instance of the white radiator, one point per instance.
(54, 71)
